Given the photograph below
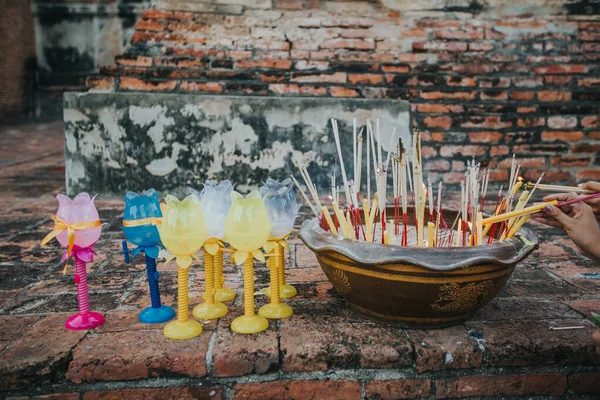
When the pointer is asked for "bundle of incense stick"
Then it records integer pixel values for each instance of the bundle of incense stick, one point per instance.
(470, 228)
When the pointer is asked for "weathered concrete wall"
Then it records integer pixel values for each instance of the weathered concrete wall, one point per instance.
(133, 141)
(74, 39)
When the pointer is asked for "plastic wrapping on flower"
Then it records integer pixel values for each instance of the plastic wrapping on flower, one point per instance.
(247, 225)
(282, 207)
(182, 230)
(216, 202)
(80, 209)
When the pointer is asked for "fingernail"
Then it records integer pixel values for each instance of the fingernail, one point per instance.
(548, 209)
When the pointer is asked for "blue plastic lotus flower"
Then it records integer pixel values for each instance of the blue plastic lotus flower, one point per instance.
(145, 210)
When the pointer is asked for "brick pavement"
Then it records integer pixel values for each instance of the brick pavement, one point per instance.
(324, 351)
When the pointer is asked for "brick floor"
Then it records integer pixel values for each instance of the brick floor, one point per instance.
(324, 351)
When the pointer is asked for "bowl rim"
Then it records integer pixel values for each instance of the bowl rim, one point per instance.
(506, 253)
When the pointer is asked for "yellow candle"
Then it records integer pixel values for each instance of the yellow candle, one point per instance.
(458, 233)
(368, 231)
(524, 211)
(479, 228)
(340, 217)
(518, 225)
(329, 220)
(430, 234)
(517, 187)
(385, 237)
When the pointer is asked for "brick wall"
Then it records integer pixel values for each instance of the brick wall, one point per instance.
(17, 59)
(485, 82)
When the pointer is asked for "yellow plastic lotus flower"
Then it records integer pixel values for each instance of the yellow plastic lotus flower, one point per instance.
(247, 226)
(182, 231)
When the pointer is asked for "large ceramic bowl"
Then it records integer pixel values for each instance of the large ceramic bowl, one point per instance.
(416, 287)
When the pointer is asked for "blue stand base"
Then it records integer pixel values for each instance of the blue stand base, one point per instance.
(157, 315)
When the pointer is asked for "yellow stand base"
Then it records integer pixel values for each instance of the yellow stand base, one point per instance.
(285, 292)
(210, 311)
(251, 324)
(225, 294)
(275, 311)
(183, 330)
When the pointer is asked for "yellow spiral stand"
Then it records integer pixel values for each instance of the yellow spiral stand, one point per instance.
(210, 309)
(249, 322)
(286, 290)
(275, 309)
(183, 327)
(222, 293)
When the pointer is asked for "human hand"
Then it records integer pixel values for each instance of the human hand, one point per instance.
(594, 203)
(576, 219)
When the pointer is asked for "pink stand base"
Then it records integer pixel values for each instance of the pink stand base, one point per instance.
(80, 322)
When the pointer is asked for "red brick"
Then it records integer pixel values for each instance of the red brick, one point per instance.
(502, 82)
(588, 175)
(187, 27)
(236, 355)
(339, 43)
(440, 46)
(474, 68)
(440, 108)
(395, 68)
(134, 61)
(526, 110)
(94, 358)
(357, 33)
(571, 161)
(565, 136)
(594, 135)
(589, 25)
(363, 345)
(100, 82)
(450, 151)
(179, 62)
(149, 36)
(589, 82)
(490, 122)
(264, 63)
(535, 162)
(521, 24)
(338, 91)
(298, 390)
(398, 389)
(493, 95)
(458, 34)
(282, 88)
(531, 122)
(589, 36)
(157, 14)
(428, 152)
(559, 122)
(498, 176)
(485, 137)
(506, 385)
(438, 122)
(337, 77)
(311, 64)
(365, 79)
(545, 95)
(590, 122)
(460, 81)
(37, 352)
(147, 25)
(195, 392)
(211, 87)
(437, 165)
(557, 80)
(448, 95)
(478, 46)
(585, 382)
(527, 81)
(522, 96)
(143, 85)
(496, 151)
